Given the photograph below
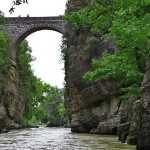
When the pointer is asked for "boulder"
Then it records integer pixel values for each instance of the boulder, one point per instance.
(123, 131)
(2, 124)
(31, 126)
(108, 127)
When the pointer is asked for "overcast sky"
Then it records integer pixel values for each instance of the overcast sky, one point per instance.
(45, 44)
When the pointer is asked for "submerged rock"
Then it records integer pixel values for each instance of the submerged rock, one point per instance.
(3, 125)
(4, 131)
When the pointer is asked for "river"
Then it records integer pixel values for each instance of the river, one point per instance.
(58, 139)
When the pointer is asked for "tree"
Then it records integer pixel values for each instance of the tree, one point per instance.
(4, 57)
(128, 24)
(17, 3)
(41, 99)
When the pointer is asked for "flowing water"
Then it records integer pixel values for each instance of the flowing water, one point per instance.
(58, 139)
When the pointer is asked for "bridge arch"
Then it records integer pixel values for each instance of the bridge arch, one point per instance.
(20, 27)
(29, 31)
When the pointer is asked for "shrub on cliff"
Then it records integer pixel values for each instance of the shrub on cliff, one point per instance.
(4, 56)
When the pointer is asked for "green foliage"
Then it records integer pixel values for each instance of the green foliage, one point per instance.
(128, 24)
(4, 44)
(4, 56)
(42, 101)
(3, 48)
(3, 59)
(26, 77)
(34, 119)
(61, 109)
(79, 19)
(131, 140)
(120, 66)
(55, 105)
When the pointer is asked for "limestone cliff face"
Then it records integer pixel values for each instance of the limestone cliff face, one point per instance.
(92, 107)
(11, 101)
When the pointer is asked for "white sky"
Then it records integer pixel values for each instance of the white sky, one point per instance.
(45, 44)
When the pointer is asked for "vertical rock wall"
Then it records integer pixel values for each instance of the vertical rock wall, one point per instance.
(93, 107)
(144, 112)
(11, 102)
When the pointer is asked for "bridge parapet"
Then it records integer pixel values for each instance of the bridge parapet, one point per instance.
(34, 19)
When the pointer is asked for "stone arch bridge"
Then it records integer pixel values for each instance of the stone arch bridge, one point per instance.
(20, 27)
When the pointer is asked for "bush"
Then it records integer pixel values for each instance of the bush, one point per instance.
(132, 140)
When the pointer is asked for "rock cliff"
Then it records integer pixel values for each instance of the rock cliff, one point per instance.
(11, 101)
(143, 115)
(93, 107)
(96, 107)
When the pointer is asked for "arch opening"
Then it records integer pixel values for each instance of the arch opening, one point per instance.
(29, 31)
(46, 49)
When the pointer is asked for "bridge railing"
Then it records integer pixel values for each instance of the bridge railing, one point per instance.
(35, 19)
